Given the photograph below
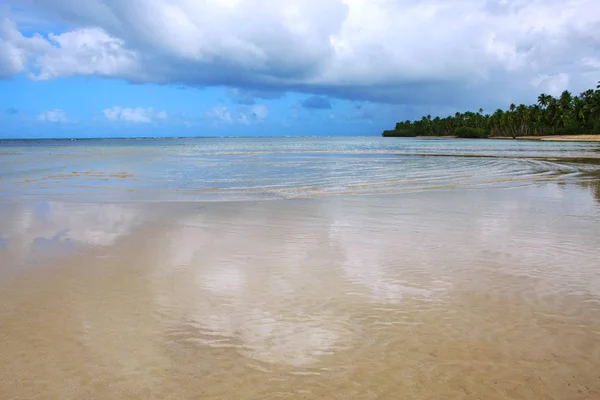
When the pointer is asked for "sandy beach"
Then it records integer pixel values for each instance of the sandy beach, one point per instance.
(561, 138)
(349, 269)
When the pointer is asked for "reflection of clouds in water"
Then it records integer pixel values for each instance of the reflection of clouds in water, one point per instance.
(27, 222)
(365, 262)
(285, 341)
(95, 224)
(229, 280)
(490, 225)
(99, 225)
(240, 287)
(272, 338)
(183, 242)
(52, 229)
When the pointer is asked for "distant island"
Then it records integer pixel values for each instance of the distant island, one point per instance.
(566, 115)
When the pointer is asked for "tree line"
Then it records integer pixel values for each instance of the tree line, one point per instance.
(565, 115)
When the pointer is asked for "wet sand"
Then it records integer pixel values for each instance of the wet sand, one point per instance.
(450, 294)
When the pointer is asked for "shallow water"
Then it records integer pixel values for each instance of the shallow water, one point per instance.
(468, 291)
(268, 168)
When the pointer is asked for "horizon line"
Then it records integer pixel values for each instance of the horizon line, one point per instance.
(180, 137)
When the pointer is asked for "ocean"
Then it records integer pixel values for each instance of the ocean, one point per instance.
(205, 169)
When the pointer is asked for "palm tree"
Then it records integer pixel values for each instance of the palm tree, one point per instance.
(544, 100)
(567, 114)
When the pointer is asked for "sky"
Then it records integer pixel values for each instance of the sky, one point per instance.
(117, 68)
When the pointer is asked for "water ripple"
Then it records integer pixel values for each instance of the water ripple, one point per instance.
(224, 169)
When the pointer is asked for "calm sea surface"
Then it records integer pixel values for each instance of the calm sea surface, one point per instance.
(299, 268)
(267, 168)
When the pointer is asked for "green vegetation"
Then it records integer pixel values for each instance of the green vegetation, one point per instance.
(566, 115)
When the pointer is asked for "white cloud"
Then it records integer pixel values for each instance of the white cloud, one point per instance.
(241, 115)
(16, 50)
(53, 116)
(85, 52)
(401, 51)
(220, 114)
(135, 115)
(552, 84)
(259, 111)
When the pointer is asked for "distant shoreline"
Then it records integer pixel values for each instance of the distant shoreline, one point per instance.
(435, 137)
(561, 138)
(557, 138)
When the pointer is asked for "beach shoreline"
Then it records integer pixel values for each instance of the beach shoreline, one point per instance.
(548, 138)
(558, 138)
(437, 137)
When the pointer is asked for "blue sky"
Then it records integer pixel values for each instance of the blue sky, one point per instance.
(302, 67)
(92, 106)
(102, 107)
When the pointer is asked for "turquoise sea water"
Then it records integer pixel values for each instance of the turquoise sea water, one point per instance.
(274, 168)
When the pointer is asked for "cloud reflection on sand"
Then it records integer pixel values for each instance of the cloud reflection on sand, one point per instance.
(41, 230)
(92, 224)
(236, 294)
(365, 263)
(233, 300)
